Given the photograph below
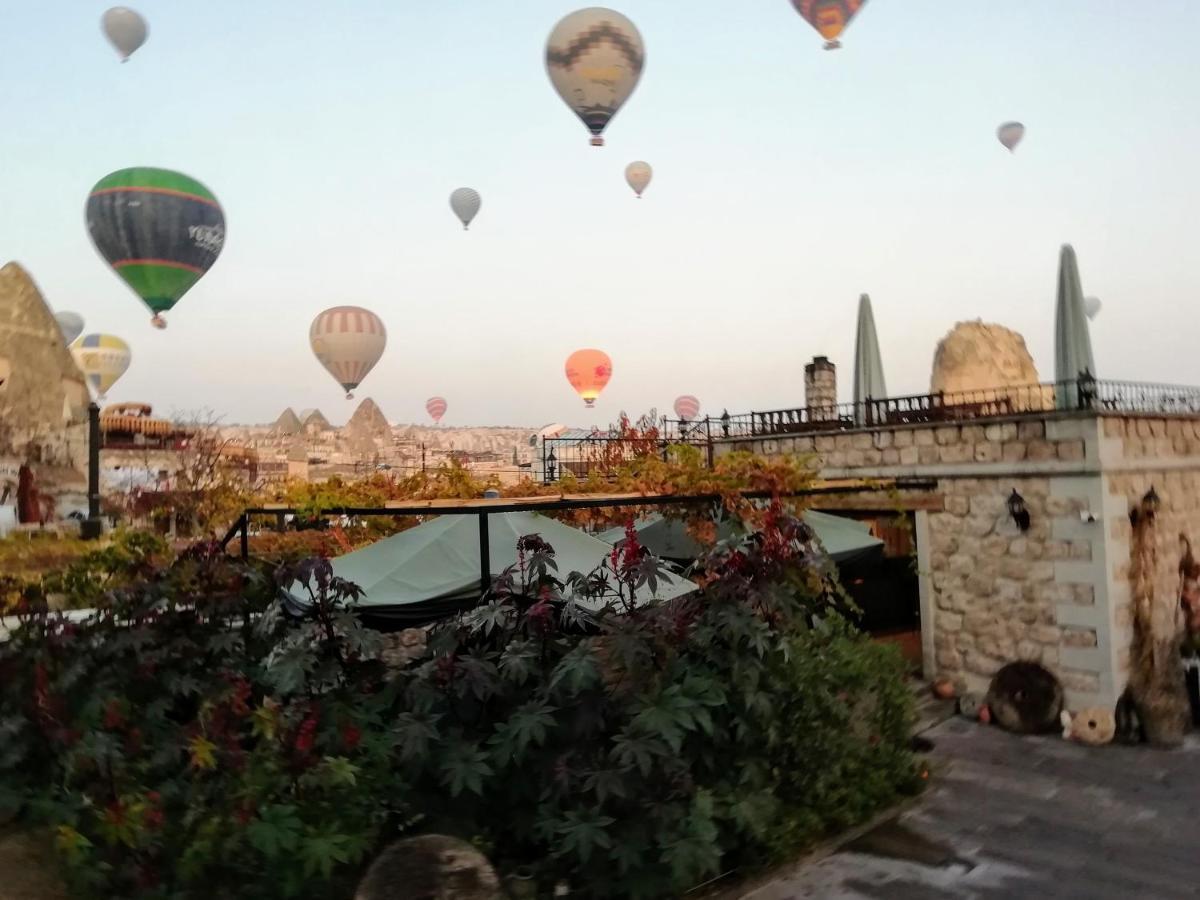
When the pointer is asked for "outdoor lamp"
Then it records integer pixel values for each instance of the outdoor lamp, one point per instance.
(551, 465)
(1018, 510)
(725, 423)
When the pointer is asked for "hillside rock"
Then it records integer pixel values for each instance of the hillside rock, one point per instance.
(314, 422)
(368, 421)
(288, 423)
(976, 356)
(42, 392)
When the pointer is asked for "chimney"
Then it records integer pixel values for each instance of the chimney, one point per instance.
(820, 389)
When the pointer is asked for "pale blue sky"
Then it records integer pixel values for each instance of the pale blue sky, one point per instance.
(788, 181)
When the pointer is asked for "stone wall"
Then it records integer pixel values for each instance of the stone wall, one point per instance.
(991, 593)
(1139, 454)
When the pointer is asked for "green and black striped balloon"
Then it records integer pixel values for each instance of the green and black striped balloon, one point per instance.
(160, 230)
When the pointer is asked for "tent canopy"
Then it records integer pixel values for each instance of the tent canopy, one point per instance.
(433, 570)
(1072, 340)
(843, 539)
(868, 365)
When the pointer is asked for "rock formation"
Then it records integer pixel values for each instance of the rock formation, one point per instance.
(368, 421)
(43, 395)
(314, 422)
(287, 424)
(976, 356)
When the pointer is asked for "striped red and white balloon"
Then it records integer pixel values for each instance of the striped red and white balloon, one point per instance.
(436, 407)
(348, 341)
(687, 407)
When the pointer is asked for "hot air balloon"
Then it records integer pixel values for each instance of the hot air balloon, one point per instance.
(70, 324)
(638, 174)
(348, 341)
(125, 30)
(436, 407)
(595, 57)
(1092, 306)
(465, 203)
(687, 407)
(1010, 134)
(829, 17)
(589, 372)
(160, 230)
(103, 359)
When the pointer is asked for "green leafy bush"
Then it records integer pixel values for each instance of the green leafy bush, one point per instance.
(193, 740)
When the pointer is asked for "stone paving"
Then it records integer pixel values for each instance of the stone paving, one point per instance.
(1012, 817)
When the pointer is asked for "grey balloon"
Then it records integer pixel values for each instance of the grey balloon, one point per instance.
(466, 202)
(70, 324)
(125, 29)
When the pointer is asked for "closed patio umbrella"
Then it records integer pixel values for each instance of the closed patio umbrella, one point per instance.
(1072, 340)
(868, 367)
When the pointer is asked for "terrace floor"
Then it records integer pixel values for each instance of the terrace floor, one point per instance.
(1012, 817)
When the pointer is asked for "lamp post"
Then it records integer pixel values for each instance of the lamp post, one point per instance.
(551, 466)
(93, 527)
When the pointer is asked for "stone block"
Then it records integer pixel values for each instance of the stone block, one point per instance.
(973, 434)
(770, 448)
(883, 439)
(949, 659)
(957, 506)
(979, 664)
(923, 438)
(1015, 569)
(947, 435)
(909, 456)
(1079, 681)
(943, 600)
(855, 459)
(825, 444)
(928, 456)
(1040, 451)
(981, 584)
(902, 438)
(1114, 427)
(1085, 594)
(1029, 430)
(996, 545)
(1079, 637)
(1001, 433)
(1050, 657)
(862, 441)
(1029, 651)
(1014, 451)
(804, 445)
(1070, 451)
(1042, 570)
(1008, 591)
(1046, 634)
(979, 526)
(1081, 550)
(1058, 550)
(988, 505)
(949, 622)
(872, 457)
(956, 453)
(988, 452)
(891, 457)
(962, 564)
(835, 459)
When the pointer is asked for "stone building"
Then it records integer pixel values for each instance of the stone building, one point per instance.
(1059, 592)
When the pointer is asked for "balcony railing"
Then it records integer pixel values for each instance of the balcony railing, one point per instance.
(603, 453)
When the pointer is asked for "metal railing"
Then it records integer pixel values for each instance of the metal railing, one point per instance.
(601, 452)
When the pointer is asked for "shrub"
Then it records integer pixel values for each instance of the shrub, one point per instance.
(192, 740)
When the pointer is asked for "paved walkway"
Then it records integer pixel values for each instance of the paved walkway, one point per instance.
(1010, 817)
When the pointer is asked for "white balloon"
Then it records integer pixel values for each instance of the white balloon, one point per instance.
(639, 174)
(70, 324)
(466, 202)
(1011, 134)
(595, 58)
(125, 29)
(1092, 306)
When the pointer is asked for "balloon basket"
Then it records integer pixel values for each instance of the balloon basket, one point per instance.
(349, 395)
(158, 322)
(833, 45)
(597, 141)
(590, 404)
